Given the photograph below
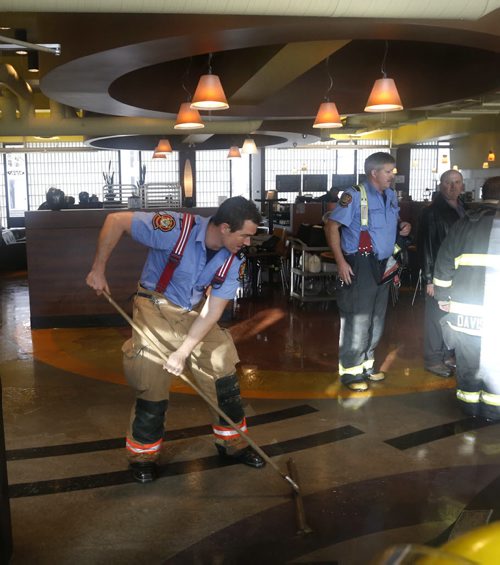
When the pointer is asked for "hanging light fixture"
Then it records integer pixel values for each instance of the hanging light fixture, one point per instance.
(486, 165)
(22, 35)
(249, 147)
(33, 61)
(209, 94)
(163, 147)
(234, 152)
(188, 118)
(384, 96)
(328, 115)
(491, 156)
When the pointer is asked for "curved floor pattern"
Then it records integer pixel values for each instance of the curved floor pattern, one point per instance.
(397, 464)
(269, 336)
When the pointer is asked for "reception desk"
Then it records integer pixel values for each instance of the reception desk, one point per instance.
(60, 249)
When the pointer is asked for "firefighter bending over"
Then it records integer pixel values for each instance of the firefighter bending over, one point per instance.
(187, 255)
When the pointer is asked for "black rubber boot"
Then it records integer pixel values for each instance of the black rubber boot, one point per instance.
(144, 471)
(247, 456)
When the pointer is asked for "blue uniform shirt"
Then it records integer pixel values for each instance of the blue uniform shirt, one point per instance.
(160, 232)
(382, 220)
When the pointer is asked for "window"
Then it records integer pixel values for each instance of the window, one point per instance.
(428, 162)
(157, 170)
(3, 195)
(17, 193)
(213, 177)
(74, 169)
(240, 176)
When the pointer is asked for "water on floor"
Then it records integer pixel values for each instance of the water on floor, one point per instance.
(396, 464)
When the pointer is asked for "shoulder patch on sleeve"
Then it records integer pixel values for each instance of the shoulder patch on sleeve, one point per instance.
(163, 222)
(345, 199)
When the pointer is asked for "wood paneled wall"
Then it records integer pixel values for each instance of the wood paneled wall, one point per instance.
(60, 251)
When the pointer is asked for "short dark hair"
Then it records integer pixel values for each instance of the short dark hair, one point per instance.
(377, 161)
(491, 189)
(235, 211)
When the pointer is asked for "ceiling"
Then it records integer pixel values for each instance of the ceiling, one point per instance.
(125, 67)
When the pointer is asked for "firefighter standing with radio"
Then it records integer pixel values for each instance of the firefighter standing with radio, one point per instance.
(467, 282)
(361, 231)
(187, 255)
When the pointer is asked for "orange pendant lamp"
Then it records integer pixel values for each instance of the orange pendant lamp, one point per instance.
(234, 153)
(209, 94)
(328, 115)
(188, 118)
(163, 148)
(384, 96)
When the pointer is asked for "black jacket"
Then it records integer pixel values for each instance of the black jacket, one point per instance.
(461, 266)
(434, 223)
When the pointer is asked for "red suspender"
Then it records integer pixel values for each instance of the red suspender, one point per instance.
(177, 252)
(220, 275)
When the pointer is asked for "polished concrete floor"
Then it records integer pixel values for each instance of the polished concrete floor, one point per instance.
(396, 464)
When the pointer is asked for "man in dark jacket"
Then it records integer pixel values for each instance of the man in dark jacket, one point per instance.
(434, 224)
(466, 282)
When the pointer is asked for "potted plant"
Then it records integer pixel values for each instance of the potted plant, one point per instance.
(109, 176)
(134, 201)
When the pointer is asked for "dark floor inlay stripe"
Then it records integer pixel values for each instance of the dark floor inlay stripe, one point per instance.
(313, 440)
(372, 507)
(172, 435)
(179, 468)
(429, 435)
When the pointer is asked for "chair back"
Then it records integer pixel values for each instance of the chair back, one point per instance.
(282, 245)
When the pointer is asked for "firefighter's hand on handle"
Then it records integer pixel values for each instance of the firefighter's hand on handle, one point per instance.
(176, 363)
(98, 282)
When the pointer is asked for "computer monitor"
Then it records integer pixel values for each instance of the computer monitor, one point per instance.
(315, 183)
(288, 183)
(343, 181)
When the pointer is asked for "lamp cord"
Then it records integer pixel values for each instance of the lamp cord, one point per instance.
(327, 61)
(382, 68)
(185, 76)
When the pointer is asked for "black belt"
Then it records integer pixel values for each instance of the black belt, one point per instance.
(144, 295)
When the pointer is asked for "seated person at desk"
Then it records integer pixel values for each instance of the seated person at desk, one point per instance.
(331, 196)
